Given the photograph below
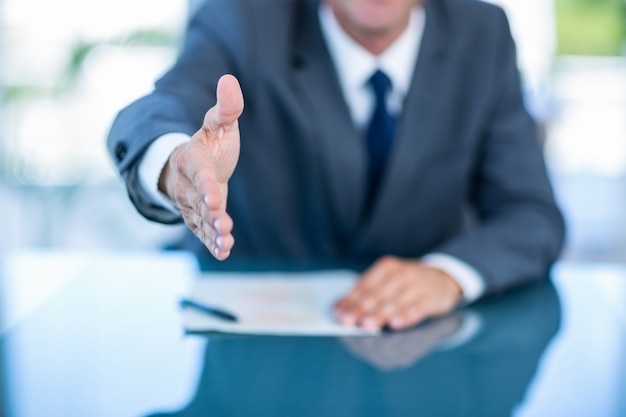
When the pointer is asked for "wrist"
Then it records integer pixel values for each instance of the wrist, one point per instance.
(167, 179)
(451, 284)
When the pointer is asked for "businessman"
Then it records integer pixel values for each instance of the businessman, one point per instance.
(386, 131)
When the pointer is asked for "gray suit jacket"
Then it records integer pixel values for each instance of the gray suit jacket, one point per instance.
(464, 142)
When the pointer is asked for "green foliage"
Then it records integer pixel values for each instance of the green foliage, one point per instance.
(14, 93)
(591, 27)
(148, 37)
(76, 59)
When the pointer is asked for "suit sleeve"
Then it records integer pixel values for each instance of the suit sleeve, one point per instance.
(520, 229)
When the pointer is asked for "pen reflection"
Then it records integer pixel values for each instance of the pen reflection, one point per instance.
(477, 361)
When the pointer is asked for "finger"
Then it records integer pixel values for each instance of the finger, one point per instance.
(374, 307)
(365, 299)
(409, 316)
(379, 316)
(228, 108)
(365, 295)
(205, 199)
(401, 291)
(213, 227)
(410, 305)
(218, 244)
(223, 224)
(369, 281)
(389, 299)
(198, 183)
(377, 273)
(416, 306)
(214, 237)
(216, 251)
(349, 309)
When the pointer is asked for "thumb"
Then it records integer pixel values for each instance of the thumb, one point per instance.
(229, 105)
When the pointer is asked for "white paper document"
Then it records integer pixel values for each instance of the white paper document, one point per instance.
(271, 303)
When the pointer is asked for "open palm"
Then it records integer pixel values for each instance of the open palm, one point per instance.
(198, 172)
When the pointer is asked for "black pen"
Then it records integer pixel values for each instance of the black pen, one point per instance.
(215, 312)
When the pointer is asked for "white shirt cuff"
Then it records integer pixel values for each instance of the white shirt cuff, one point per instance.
(152, 164)
(465, 275)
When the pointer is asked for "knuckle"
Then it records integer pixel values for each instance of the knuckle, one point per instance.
(387, 261)
(349, 306)
(405, 271)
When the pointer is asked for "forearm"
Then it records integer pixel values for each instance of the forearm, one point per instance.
(512, 249)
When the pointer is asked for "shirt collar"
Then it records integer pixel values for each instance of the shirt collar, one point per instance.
(355, 64)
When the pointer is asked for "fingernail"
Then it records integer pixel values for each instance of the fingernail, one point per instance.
(206, 199)
(216, 251)
(396, 322)
(369, 322)
(347, 319)
(216, 224)
(219, 241)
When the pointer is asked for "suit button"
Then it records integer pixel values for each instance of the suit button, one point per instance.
(120, 152)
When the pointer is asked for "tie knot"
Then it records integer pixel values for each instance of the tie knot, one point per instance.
(381, 84)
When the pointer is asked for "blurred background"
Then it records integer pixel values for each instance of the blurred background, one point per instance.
(67, 67)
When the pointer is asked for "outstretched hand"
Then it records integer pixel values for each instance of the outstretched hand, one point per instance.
(197, 173)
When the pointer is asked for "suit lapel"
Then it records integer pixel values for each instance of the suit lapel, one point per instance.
(340, 144)
(415, 139)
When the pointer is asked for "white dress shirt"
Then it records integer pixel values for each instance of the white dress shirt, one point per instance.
(354, 66)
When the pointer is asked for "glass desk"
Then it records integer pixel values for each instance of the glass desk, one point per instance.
(100, 334)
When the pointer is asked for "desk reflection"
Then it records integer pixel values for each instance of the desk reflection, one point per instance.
(477, 361)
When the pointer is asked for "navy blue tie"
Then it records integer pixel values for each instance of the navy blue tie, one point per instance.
(380, 132)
